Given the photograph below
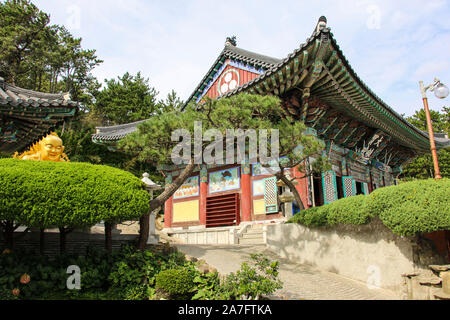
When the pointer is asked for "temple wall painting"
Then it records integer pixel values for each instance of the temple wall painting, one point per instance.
(224, 180)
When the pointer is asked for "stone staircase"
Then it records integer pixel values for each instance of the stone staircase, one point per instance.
(253, 235)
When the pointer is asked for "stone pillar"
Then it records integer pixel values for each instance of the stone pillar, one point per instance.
(150, 230)
(246, 193)
(288, 212)
(152, 237)
(203, 194)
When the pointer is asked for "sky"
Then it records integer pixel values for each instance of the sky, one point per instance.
(391, 45)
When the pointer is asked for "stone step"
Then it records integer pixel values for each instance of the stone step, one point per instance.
(253, 236)
(261, 231)
(250, 241)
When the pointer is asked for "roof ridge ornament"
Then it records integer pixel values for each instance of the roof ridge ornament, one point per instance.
(321, 24)
(231, 41)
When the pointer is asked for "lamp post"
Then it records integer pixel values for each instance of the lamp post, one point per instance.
(441, 92)
(147, 222)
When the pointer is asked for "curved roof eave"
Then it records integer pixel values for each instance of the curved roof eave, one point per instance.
(275, 67)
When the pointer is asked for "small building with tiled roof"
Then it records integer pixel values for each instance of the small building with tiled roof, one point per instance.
(366, 140)
(26, 116)
(110, 135)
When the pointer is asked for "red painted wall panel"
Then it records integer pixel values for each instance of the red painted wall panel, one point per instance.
(244, 77)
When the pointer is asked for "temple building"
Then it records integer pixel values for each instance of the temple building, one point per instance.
(26, 116)
(366, 141)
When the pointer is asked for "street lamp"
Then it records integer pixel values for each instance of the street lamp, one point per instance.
(441, 92)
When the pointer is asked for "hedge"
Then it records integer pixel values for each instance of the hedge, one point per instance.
(415, 207)
(60, 194)
(410, 208)
(175, 282)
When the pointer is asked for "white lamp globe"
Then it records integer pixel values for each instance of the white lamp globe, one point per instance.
(441, 91)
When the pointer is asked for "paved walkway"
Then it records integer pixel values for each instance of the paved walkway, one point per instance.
(300, 281)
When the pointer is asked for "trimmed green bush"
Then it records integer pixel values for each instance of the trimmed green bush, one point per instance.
(415, 207)
(175, 282)
(351, 210)
(313, 217)
(410, 208)
(60, 194)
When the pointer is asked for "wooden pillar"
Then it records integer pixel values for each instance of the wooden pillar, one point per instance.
(246, 193)
(168, 212)
(203, 194)
(302, 186)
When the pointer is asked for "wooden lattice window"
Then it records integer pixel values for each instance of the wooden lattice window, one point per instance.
(329, 186)
(270, 195)
(349, 186)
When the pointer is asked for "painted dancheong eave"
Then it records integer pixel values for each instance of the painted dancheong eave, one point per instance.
(366, 141)
(26, 116)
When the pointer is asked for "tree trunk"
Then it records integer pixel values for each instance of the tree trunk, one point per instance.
(40, 81)
(144, 230)
(172, 187)
(108, 236)
(8, 234)
(42, 241)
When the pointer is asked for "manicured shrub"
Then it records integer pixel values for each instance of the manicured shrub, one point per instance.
(416, 207)
(177, 283)
(60, 194)
(313, 217)
(351, 210)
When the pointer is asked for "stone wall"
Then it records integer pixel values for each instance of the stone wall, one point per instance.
(370, 253)
(76, 242)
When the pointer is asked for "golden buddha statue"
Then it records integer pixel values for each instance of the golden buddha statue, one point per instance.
(49, 148)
